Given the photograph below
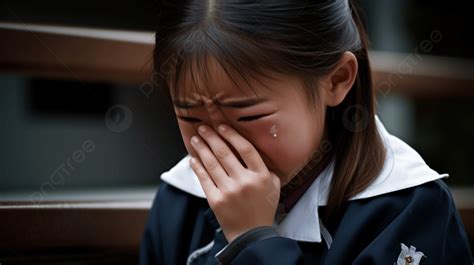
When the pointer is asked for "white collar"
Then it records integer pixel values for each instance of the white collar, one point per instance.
(403, 168)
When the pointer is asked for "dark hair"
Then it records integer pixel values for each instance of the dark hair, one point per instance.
(305, 38)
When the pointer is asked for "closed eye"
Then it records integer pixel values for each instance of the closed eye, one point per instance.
(251, 118)
(189, 119)
(244, 119)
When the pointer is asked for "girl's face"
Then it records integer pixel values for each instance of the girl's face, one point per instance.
(281, 111)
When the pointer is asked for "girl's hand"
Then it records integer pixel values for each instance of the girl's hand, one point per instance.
(241, 198)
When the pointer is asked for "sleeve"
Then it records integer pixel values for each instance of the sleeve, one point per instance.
(150, 251)
(427, 231)
(258, 246)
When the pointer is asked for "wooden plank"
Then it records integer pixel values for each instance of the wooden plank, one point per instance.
(117, 222)
(125, 56)
(75, 53)
(92, 227)
(422, 76)
(95, 219)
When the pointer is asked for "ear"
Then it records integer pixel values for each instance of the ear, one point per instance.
(338, 82)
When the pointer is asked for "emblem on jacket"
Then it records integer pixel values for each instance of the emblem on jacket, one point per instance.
(409, 256)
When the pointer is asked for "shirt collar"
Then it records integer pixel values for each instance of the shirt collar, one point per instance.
(403, 168)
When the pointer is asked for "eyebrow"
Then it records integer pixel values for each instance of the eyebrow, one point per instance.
(235, 103)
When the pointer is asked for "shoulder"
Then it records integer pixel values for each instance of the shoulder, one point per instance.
(433, 195)
(436, 191)
(425, 208)
(422, 216)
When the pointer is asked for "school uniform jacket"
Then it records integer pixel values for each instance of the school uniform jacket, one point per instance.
(406, 216)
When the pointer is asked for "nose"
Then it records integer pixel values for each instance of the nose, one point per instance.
(215, 114)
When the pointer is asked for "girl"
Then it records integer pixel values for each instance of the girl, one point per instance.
(288, 163)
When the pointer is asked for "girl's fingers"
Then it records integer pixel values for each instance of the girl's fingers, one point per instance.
(221, 151)
(247, 151)
(210, 163)
(208, 185)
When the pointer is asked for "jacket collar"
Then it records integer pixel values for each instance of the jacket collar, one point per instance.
(403, 168)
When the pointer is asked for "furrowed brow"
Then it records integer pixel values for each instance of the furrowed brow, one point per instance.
(232, 103)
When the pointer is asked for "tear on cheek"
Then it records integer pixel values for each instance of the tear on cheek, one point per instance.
(273, 131)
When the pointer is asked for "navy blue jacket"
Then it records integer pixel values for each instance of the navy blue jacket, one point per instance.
(182, 229)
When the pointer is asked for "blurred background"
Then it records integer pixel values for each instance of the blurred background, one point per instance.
(84, 135)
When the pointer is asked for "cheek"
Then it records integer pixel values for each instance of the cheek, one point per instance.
(280, 152)
(288, 152)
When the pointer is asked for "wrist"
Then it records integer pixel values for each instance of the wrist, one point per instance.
(243, 240)
(233, 235)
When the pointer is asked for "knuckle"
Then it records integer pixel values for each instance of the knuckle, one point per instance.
(276, 181)
(200, 171)
(212, 166)
(266, 176)
(233, 191)
(248, 186)
(264, 180)
(218, 202)
(221, 153)
(246, 149)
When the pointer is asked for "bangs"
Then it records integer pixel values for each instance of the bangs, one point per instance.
(197, 57)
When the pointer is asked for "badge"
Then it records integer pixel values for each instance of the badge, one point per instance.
(409, 256)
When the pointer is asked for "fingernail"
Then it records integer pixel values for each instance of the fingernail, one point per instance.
(192, 160)
(221, 128)
(202, 129)
(194, 140)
